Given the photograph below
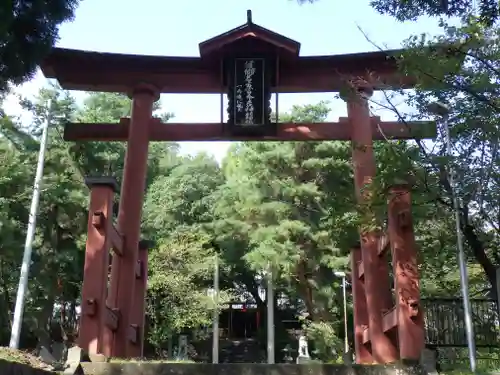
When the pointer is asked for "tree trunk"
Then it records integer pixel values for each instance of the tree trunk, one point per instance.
(478, 250)
(305, 288)
(470, 235)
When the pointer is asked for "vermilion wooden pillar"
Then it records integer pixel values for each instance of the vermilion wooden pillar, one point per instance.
(404, 257)
(363, 355)
(137, 319)
(129, 215)
(94, 336)
(376, 270)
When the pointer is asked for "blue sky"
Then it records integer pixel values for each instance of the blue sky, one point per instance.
(160, 27)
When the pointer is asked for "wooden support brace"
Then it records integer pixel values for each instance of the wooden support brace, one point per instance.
(116, 241)
(112, 318)
(139, 270)
(98, 220)
(133, 334)
(389, 321)
(383, 246)
(91, 309)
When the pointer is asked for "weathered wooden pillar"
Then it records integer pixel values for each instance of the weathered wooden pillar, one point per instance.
(409, 311)
(363, 354)
(129, 214)
(137, 319)
(94, 336)
(376, 270)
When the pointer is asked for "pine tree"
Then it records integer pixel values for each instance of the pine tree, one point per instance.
(28, 31)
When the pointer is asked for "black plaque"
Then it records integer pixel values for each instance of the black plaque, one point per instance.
(249, 91)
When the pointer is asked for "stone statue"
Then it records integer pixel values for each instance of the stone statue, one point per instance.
(182, 350)
(303, 350)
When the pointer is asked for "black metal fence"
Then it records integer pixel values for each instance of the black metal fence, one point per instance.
(445, 323)
(450, 358)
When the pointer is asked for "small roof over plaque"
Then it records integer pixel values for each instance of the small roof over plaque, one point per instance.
(249, 30)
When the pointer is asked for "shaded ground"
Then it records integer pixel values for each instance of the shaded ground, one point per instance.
(138, 360)
(25, 358)
(29, 359)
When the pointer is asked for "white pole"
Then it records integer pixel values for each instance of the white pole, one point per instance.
(464, 277)
(344, 297)
(30, 234)
(498, 290)
(215, 323)
(443, 110)
(346, 342)
(270, 317)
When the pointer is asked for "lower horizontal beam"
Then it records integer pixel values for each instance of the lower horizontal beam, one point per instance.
(178, 132)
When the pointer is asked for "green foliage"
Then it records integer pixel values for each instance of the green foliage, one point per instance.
(28, 30)
(176, 302)
(177, 206)
(471, 91)
(488, 11)
(57, 262)
(279, 209)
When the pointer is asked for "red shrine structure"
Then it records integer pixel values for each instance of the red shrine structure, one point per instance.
(247, 64)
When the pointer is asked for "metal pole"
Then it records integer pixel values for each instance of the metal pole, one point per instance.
(344, 296)
(30, 234)
(346, 342)
(498, 291)
(464, 284)
(270, 317)
(215, 327)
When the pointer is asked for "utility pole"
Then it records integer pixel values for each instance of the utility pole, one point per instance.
(30, 234)
(442, 110)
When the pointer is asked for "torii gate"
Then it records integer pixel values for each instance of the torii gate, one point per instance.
(246, 63)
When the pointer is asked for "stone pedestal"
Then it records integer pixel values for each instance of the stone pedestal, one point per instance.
(347, 358)
(428, 361)
(287, 358)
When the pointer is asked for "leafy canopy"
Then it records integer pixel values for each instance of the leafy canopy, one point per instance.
(28, 31)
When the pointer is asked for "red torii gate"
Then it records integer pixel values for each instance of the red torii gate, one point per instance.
(113, 323)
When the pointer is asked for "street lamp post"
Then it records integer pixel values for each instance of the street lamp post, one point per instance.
(215, 319)
(344, 295)
(443, 110)
(270, 316)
